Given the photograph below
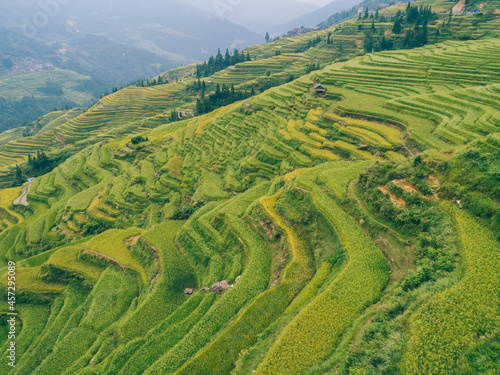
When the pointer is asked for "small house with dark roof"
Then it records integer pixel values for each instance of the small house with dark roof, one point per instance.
(320, 89)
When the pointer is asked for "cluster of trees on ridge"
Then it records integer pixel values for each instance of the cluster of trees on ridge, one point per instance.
(37, 165)
(222, 96)
(415, 20)
(219, 62)
(151, 82)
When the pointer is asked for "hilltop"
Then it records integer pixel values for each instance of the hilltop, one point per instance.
(323, 204)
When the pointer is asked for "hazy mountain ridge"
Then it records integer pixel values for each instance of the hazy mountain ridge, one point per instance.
(166, 23)
(112, 43)
(256, 15)
(315, 17)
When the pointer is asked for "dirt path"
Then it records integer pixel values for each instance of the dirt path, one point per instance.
(23, 198)
(459, 7)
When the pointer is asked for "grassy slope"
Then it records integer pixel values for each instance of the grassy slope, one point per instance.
(18, 86)
(147, 107)
(269, 215)
(453, 321)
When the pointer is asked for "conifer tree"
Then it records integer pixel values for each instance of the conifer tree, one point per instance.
(397, 27)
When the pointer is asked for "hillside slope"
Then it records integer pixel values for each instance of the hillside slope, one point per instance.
(129, 111)
(262, 217)
(315, 17)
(291, 232)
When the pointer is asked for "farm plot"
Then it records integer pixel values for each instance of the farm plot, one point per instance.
(445, 327)
(312, 335)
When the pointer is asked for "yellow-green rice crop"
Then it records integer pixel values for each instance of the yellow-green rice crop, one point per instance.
(253, 280)
(317, 153)
(111, 297)
(7, 196)
(445, 327)
(364, 135)
(68, 258)
(176, 275)
(266, 308)
(28, 279)
(34, 319)
(62, 311)
(312, 335)
(339, 175)
(111, 245)
(174, 164)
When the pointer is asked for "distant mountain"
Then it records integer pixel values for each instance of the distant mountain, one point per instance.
(315, 17)
(256, 15)
(171, 29)
(110, 43)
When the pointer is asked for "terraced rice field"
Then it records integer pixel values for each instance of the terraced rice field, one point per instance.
(255, 193)
(439, 101)
(445, 326)
(133, 110)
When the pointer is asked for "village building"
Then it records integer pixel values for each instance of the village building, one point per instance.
(320, 89)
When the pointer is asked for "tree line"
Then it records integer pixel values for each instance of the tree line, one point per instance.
(221, 97)
(413, 22)
(151, 82)
(37, 165)
(220, 62)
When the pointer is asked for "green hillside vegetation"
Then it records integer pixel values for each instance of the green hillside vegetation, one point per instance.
(129, 112)
(24, 97)
(48, 83)
(358, 231)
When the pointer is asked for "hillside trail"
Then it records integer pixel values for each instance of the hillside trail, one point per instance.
(459, 7)
(23, 198)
